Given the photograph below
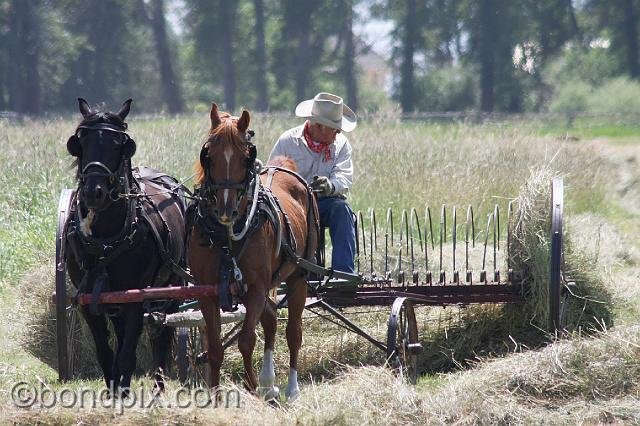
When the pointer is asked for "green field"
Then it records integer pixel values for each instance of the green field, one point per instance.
(399, 165)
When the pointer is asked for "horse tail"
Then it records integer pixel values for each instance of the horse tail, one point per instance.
(284, 162)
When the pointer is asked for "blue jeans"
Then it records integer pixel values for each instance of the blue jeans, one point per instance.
(336, 214)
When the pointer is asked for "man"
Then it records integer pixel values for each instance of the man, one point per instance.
(323, 156)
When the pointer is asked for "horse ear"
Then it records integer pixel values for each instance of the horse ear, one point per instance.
(243, 121)
(84, 108)
(124, 111)
(215, 117)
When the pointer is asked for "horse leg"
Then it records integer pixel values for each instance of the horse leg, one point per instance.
(254, 303)
(161, 339)
(118, 327)
(132, 315)
(267, 376)
(98, 327)
(297, 299)
(211, 314)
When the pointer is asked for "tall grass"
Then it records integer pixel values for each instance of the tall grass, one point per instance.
(398, 164)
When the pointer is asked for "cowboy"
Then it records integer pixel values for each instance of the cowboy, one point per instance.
(323, 156)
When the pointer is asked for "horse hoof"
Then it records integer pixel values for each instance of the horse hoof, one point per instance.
(270, 394)
(293, 394)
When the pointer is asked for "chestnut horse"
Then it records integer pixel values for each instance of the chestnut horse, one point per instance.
(247, 231)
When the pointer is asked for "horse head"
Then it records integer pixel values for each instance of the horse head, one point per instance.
(103, 151)
(227, 165)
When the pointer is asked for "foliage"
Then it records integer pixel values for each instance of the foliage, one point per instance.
(571, 98)
(450, 88)
(616, 96)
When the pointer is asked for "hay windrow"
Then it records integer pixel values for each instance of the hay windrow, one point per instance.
(491, 330)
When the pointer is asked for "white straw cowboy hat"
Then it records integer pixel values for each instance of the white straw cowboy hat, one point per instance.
(329, 110)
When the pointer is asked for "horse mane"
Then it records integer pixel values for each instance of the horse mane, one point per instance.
(225, 132)
(284, 162)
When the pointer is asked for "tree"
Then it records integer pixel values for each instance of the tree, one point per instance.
(170, 85)
(24, 41)
(407, 90)
(349, 55)
(262, 102)
(226, 22)
(631, 36)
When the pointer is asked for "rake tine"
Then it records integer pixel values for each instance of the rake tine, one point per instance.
(373, 243)
(357, 241)
(486, 241)
(427, 217)
(470, 220)
(443, 233)
(509, 214)
(374, 227)
(363, 236)
(496, 244)
(428, 214)
(404, 229)
(496, 211)
(415, 223)
(388, 229)
(453, 236)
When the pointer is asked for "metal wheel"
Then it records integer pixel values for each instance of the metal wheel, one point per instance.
(402, 339)
(557, 292)
(66, 318)
(191, 365)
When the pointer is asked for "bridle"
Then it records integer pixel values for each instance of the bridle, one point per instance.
(207, 191)
(209, 186)
(118, 180)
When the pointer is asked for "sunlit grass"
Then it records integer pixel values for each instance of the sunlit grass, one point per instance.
(398, 164)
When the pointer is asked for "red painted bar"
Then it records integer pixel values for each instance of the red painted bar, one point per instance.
(132, 296)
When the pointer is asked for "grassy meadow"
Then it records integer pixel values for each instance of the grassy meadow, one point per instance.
(479, 366)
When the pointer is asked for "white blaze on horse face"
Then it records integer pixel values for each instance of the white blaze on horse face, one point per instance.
(228, 153)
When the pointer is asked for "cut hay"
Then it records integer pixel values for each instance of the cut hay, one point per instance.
(488, 330)
(39, 336)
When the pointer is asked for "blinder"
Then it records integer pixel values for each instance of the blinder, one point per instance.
(116, 178)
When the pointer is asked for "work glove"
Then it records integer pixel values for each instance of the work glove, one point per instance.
(322, 186)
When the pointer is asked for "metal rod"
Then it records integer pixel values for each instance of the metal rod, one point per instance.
(496, 211)
(352, 326)
(357, 245)
(453, 236)
(443, 236)
(486, 241)
(466, 236)
(404, 229)
(373, 243)
(509, 213)
(364, 238)
(496, 244)
(388, 232)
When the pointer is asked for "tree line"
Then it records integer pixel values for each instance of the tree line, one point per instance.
(447, 55)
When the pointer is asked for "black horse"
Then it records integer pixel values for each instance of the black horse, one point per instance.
(126, 231)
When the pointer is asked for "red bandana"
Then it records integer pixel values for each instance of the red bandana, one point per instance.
(316, 146)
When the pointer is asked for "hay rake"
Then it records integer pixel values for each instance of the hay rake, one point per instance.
(400, 267)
